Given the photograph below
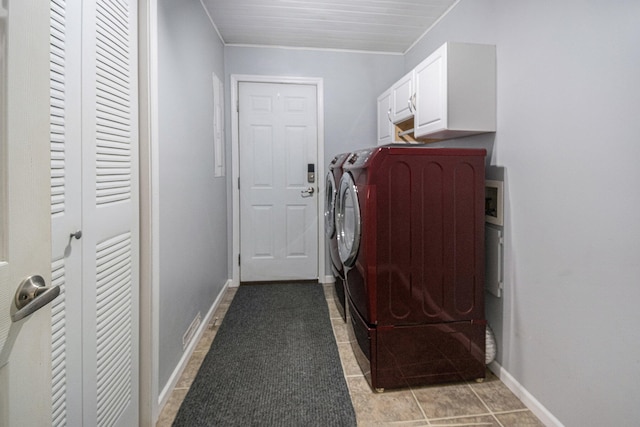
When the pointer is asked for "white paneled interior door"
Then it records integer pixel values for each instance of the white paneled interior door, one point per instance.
(94, 182)
(278, 137)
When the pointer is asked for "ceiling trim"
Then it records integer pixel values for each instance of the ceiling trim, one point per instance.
(213, 24)
(431, 27)
(260, 46)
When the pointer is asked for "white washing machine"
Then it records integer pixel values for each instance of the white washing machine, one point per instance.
(331, 193)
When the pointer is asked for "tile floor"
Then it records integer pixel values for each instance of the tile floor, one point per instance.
(489, 403)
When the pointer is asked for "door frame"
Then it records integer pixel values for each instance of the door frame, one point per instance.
(236, 79)
(149, 397)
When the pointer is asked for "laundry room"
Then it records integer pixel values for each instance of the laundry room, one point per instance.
(565, 136)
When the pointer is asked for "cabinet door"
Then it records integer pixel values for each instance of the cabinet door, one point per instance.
(385, 127)
(431, 93)
(402, 98)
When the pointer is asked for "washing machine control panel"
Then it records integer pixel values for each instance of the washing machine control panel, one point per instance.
(359, 158)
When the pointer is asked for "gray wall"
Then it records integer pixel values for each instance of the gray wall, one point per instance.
(193, 211)
(352, 83)
(568, 103)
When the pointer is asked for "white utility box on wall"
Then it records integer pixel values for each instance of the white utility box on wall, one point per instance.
(494, 230)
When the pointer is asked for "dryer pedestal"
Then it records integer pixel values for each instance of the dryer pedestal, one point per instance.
(414, 355)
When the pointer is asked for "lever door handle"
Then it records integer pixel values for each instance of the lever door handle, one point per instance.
(308, 192)
(32, 295)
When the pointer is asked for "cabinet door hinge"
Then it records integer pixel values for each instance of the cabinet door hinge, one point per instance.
(238, 183)
(238, 259)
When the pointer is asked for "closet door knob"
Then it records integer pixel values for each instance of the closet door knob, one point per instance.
(77, 235)
(32, 295)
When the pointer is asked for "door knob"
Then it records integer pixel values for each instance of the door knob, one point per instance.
(32, 295)
(308, 192)
(77, 235)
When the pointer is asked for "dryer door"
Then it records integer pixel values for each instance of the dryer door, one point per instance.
(348, 220)
(331, 193)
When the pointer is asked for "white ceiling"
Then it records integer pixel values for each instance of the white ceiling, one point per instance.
(362, 25)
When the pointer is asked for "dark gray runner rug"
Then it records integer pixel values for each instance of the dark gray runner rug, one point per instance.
(273, 362)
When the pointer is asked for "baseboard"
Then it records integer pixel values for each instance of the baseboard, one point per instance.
(527, 398)
(184, 360)
(327, 279)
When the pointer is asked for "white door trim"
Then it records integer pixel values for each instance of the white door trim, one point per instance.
(150, 401)
(235, 163)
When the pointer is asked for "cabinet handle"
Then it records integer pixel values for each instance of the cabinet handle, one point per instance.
(410, 105)
(389, 115)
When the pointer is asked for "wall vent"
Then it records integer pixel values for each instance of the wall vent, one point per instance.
(191, 331)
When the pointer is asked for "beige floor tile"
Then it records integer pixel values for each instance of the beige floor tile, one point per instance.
(420, 423)
(328, 290)
(349, 362)
(334, 313)
(229, 294)
(478, 421)
(340, 330)
(221, 311)
(496, 395)
(377, 408)
(170, 410)
(519, 419)
(358, 385)
(449, 400)
(207, 338)
(191, 370)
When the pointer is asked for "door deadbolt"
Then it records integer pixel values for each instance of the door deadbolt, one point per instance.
(311, 173)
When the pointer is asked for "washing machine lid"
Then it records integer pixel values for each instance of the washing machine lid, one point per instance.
(348, 222)
(331, 193)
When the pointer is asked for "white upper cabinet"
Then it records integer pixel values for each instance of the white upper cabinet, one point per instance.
(456, 92)
(403, 98)
(385, 127)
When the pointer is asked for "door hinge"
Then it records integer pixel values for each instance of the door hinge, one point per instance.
(238, 105)
(238, 183)
(238, 259)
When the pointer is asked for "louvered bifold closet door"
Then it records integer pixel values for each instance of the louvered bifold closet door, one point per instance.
(66, 195)
(110, 211)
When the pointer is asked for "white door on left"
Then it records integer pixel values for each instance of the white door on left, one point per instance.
(25, 236)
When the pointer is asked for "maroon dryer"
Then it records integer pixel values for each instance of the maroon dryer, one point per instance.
(410, 224)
